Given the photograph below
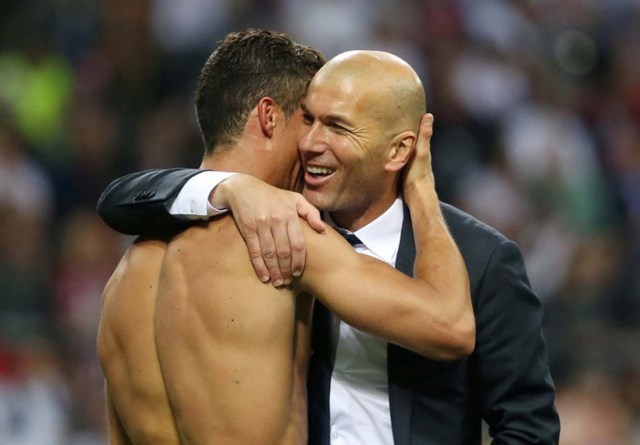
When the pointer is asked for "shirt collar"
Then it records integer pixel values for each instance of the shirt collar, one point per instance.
(382, 235)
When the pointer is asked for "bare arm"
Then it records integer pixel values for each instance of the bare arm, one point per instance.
(430, 314)
(438, 259)
(139, 203)
(372, 296)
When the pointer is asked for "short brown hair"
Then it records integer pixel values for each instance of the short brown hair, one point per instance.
(245, 67)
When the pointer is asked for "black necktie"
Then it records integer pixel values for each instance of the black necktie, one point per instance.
(352, 239)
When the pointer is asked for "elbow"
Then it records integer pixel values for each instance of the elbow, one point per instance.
(457, 342)
(462, 340)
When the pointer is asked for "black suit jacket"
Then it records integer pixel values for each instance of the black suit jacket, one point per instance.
(505, 381)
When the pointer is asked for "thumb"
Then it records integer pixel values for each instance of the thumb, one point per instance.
(310, 214)
(423, 144)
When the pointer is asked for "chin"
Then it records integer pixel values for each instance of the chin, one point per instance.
(316, 199)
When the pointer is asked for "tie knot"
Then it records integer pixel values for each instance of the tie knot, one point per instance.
(351, 238)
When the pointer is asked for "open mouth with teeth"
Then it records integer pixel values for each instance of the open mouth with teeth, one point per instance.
(319, 172)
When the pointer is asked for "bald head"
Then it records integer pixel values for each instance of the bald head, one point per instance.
(382, 83)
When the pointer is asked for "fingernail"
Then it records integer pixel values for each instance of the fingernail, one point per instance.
(297, 273)
(277, 282)
(264, 278)
(287, 281)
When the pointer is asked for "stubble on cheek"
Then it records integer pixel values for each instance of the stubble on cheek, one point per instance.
(316, 199)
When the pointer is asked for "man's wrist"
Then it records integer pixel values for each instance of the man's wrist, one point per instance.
(218, 197)
(192, 202)
(420, 192)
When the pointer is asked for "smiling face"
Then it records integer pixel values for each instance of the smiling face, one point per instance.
(344, 152)
(358, 125)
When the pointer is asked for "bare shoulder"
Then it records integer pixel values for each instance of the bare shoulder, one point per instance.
(207, 270)
(216, 238)
(127, 306)
(135, 277)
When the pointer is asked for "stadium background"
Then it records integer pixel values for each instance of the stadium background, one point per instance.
(537, 106)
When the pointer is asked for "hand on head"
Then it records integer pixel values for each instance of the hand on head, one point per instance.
(419, 172)
(269, 220)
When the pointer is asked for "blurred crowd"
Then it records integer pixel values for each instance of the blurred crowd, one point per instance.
(537, 132)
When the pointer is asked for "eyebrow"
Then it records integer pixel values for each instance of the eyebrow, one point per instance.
(330, 118)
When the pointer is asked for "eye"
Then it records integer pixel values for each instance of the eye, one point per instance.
(336, 127)
(307, 118)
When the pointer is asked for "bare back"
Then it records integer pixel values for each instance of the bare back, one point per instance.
(224, 361)
(139, 411)
(233, 351)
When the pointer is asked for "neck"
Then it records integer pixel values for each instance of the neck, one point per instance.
(242, 157)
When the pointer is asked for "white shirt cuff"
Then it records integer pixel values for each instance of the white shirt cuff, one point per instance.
(192, 202)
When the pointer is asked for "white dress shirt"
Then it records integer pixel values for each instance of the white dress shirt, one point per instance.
(359, 397)
(193, 200)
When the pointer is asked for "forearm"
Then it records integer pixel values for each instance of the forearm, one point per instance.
(373, 297)
(440, 265)
(391, 306)
(138, 203)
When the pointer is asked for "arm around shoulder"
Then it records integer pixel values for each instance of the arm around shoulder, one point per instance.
(438, 263)
(137, 203)
(372, 296)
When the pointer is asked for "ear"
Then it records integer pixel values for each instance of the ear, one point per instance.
(267, 115)
(402, 147)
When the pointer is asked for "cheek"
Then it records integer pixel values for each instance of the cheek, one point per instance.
(368, 171)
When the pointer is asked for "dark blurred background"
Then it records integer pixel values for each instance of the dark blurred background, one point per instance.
(537, 106)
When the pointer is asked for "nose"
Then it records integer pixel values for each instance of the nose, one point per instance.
(312, 142)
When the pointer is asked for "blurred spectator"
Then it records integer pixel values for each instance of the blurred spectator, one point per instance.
(168, 137)
(33, 398)
(24, 184)
(88, 254)
(594, 414)
(25, 206)
(36, 88)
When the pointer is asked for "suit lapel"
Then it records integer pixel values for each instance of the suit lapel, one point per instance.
(401, 396)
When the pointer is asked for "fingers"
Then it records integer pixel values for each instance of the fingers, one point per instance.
(272, 254)
(261, 245)
(282, 241)
(269, 254)
(269, 220)
(311, 214)
(419, 171)
(255, 254)
(283, 253)
(423, 144)
(298, 248)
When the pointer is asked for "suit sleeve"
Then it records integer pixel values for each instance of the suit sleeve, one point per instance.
(138, 203)
(511, 367)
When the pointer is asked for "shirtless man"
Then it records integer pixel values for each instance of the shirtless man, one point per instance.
(194, 348)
